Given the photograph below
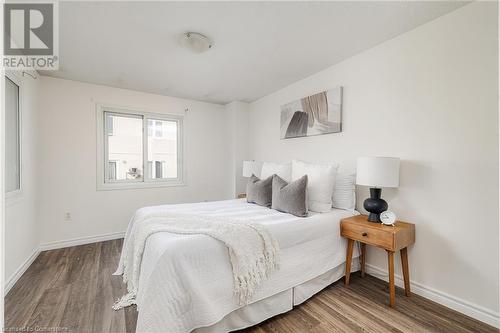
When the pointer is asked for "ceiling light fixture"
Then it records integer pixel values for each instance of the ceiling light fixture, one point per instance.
(196, 42)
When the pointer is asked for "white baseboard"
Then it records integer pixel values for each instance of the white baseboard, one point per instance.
(11, 281)
(80, 241)
(472, 310)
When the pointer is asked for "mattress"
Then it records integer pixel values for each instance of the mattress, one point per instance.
(186, 280)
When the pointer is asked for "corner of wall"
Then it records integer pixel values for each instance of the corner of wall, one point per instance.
(238, 143)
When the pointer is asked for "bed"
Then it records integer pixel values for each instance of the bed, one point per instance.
(186, 282)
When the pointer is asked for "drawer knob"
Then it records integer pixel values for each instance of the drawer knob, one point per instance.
(364, 234)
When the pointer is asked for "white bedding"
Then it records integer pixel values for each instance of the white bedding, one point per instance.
(186, 280)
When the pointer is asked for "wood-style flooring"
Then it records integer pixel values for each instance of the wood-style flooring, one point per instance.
(72, 290)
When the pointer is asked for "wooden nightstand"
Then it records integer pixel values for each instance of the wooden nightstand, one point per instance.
(390, 238)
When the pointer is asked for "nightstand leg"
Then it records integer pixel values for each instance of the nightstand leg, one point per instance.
(406, 272)
(348, 259)
(392, 290)
(363, 259)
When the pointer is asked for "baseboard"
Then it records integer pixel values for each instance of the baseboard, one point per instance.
(80, 241)
(472, 310)
(11, 281)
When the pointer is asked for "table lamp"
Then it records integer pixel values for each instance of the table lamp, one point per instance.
(377, 172)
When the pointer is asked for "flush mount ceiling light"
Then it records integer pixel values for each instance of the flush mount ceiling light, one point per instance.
(195, 42)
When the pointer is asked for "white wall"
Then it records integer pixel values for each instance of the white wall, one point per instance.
(237, 137)
(67, 168)
(430, 97)
(21, 221)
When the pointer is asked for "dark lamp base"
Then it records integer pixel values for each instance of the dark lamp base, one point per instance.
(375, 205)
(372, 217)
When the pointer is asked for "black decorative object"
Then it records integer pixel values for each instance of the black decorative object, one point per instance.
(375, 205)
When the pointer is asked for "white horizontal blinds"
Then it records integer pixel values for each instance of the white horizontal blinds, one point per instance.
(124, 147)
(12, 137)
(162, 146)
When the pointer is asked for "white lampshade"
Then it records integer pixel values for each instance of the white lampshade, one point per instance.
(250, 168)
(378, 171)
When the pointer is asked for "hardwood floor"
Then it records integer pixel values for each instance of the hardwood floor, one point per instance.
(72, 290)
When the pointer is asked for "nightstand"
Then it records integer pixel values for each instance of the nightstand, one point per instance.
(390, 238)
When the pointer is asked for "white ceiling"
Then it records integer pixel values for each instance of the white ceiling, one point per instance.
(260, 47)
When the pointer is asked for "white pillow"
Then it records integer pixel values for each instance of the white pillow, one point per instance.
(320, 183)
(283, 170)
(344, 191)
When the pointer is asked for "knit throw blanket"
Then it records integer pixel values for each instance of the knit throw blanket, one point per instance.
(253, 250)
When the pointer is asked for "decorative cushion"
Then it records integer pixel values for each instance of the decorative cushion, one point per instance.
(260, 191)
(344, 191)
(290, 197)
(283, 170)
(321, 180)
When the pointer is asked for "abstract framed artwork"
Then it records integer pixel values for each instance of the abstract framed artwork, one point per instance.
(312, 115)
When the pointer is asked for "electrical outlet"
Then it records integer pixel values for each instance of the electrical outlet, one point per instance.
(67, 216)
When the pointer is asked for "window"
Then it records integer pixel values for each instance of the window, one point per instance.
(137, 149)
(109, 126)
(12, 136)
(124, 147)
(112, 170)
(159, 130)
(157, 169)
(162, 149)
(155, 128)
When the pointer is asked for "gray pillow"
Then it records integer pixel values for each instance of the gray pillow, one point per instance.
(290, 197)
(260, 191)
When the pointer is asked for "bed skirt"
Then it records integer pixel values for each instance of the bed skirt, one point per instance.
(257, 312)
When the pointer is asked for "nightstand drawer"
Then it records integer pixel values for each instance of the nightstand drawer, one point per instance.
(365, 234)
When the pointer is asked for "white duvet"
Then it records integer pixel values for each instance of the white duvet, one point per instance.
(186, 281)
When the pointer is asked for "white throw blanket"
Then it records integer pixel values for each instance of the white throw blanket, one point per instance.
(253, 251)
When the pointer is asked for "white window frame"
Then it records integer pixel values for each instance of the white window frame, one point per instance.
(146, 181)
(16, 195)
